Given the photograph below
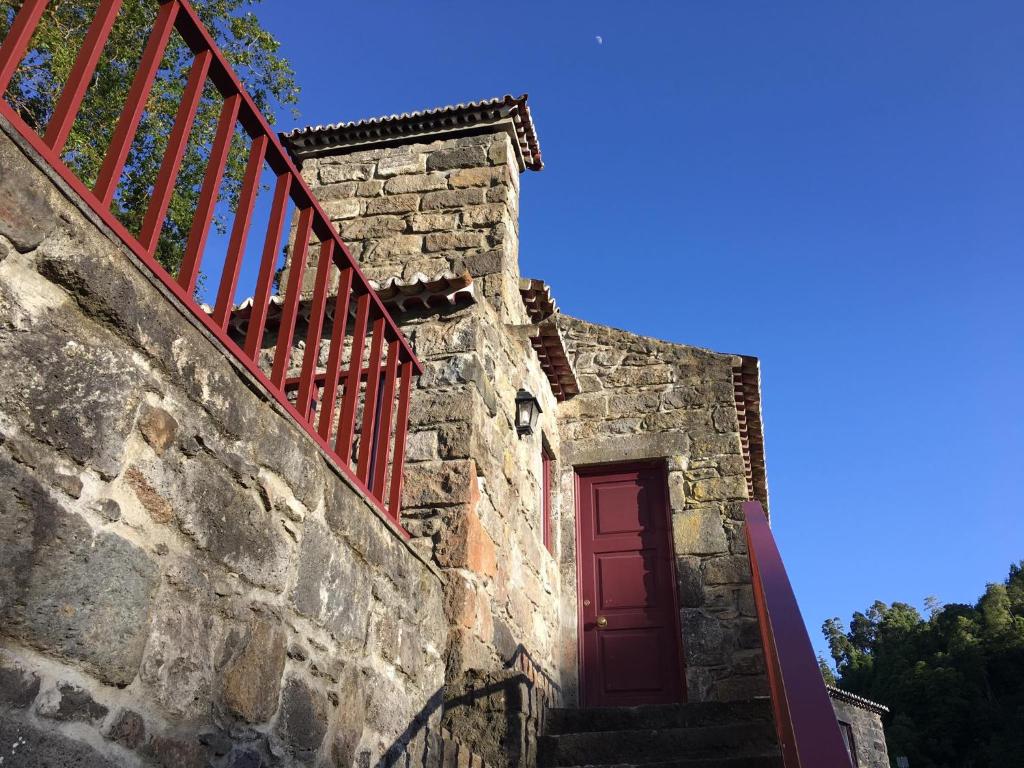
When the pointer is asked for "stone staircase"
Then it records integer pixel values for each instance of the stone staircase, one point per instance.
(704, 735)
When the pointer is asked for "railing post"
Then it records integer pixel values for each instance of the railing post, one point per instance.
(189, 271)
(163, 188)
(15, 45)
(401, 430)
(347, 419)
(379, 466)
(370, 401)
(316, 325)
(334, 354)
(124, 134)
(64, 114)
(240, 232)
(292, 297)
(268, 266)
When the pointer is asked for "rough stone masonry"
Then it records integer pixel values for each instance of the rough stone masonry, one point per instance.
(186, 580)
(438, 193)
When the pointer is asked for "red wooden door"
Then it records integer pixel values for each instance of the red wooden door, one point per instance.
(629, 625)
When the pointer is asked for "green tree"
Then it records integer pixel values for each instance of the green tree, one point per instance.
(37, 85)
(954, 681)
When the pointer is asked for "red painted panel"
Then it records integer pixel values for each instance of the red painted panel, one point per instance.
(629, 629)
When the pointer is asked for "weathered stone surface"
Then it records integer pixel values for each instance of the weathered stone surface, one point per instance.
(187, 637)
(72, 703)
(71, 592)
(72, 389)
(25, 746)
(703, 638)
(26, 216)
(168, 751)
(397, 163)
(690, 582)
(18, 686)
(158, 427)
(332, 174)
(349, 716)
(156, 505)
(730, 569)
(401, 185)
(456, 157)
(108, 509)
(430, 484)
(734, 487)
(228, 520)
(453, 241)
(375, 226)
(302, 723)
(433, 222)
(455, 198)
(347, 208)
(127, 729)
(477, 177)
(699, 531)
(421, 446)
(392, 204)
(252, 679)
(323, 567)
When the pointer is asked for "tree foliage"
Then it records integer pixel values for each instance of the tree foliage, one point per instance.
(954, 681)
(38, 83)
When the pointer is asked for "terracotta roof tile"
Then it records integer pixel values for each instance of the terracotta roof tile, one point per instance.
(509, 110)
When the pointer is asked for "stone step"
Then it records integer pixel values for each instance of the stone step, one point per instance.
(658, 745)
(655, 717)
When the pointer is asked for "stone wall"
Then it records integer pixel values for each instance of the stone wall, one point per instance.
(448, 205)
(865, 723)
(472, 492)
(185, 579)
(644, 399)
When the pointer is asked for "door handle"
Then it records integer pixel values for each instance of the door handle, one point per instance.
(602, 622)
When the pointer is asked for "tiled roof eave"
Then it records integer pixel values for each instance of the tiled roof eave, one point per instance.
(546, 340)
(509, 113)
(858, 701)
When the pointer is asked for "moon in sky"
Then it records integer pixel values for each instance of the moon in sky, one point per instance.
(600, 40)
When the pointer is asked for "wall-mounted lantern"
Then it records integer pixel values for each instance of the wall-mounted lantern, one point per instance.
(527, 412)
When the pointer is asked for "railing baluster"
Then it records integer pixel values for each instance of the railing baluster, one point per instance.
(240, 232)
(292, 298)
(334, 355)
(268, 266)
(128, 123)
(59, 127)
(189, 271)
(378, 470)
(370, 401)
(210, 66)
(346, 421)
(19, 36)
(316, 326)
(163, 188)
(401, 430)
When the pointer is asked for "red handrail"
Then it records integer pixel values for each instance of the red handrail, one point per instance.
(377, 440)
(806, 724)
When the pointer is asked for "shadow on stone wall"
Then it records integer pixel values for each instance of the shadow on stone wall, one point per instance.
(488, 718)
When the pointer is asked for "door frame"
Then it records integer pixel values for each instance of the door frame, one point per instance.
(661, 467)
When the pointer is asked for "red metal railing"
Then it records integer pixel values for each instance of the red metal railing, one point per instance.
(333, 404)
(806, 724)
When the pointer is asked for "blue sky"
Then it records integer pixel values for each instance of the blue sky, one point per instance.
(837, 188)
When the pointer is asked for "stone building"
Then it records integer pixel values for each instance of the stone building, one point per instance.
(860, 721)
(187, 579)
